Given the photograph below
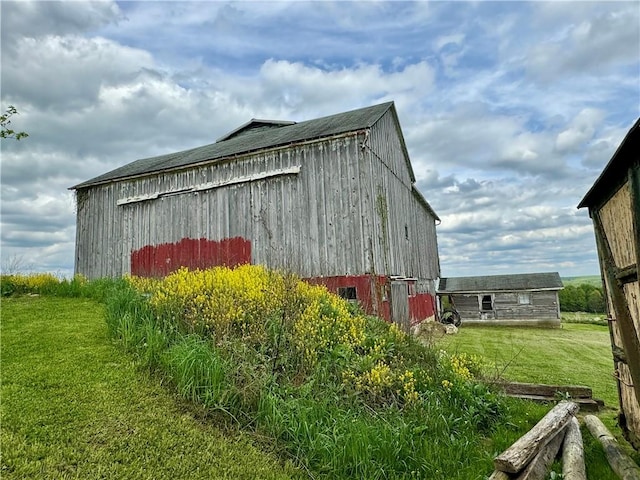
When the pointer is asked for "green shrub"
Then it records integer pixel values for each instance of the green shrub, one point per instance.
(582, 298)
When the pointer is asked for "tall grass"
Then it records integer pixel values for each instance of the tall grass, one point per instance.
(584, 317)
(345, 396)
(375, 405)
(198, 371)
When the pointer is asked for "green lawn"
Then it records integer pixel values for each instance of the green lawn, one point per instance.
(594, 280)
(576, 354)
(74, 406)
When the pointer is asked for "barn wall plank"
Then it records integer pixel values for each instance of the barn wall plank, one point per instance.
(617, 221)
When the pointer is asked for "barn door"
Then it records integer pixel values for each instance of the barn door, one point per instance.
(400, 304)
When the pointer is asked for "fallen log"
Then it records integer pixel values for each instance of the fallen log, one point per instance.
(539, 467)
(586, 404)
(573, 467)
(518, 455)
(498, 475)
(620, 462)
(518, 388)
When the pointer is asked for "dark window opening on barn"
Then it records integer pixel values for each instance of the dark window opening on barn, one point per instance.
(348, 293)
(524, 298)
(487, 303)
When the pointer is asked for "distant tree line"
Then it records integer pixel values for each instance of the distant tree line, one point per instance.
(582, 298)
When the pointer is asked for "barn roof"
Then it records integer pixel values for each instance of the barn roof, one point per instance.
(615, 173)
(501, 283)
(248, 138)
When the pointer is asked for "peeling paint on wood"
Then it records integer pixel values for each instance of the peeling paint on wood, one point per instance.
(160, 260)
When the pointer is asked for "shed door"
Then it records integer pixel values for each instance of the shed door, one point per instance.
(400, 304)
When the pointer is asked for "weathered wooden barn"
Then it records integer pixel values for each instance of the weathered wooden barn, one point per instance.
(519, 299)
(332, 199)
(614, 206)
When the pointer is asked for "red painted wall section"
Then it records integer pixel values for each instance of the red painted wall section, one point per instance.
(161, 260)
(421, 307)
(371, 291)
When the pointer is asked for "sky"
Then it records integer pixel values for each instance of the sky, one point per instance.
(510, 110)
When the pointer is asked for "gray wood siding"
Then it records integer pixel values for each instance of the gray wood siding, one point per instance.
(323, 221)
(384, 141)
(544, 305)
(389, 188)
(467, 306)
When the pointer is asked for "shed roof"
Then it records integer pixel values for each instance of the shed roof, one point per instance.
(615, 173)
(252, 139)
(501, 283)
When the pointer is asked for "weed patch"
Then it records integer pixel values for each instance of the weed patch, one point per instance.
(343, 394)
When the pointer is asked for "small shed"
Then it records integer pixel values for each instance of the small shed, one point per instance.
(332, 199)
(614, 206)
(529, 299)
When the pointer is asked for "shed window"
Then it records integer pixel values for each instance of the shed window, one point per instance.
(524, 298)
(487, 304)
(348, 293)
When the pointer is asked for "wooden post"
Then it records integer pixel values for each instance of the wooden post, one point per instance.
(541, 463)
(573, 467)
(620, 462)
(518, 455)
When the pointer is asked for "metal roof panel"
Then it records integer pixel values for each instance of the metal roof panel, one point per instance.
(491, 283)
(249, 141)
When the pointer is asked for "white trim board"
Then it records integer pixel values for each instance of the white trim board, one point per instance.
(212, 185)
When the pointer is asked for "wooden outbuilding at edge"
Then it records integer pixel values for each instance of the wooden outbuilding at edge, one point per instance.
(526, 299)
(614, 206)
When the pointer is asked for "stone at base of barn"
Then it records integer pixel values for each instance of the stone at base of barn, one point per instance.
(430, 331)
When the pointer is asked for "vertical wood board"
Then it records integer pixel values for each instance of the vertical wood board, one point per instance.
(617, 220)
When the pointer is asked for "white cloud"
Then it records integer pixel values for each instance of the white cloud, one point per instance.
(452, 39)
(593, 43)
(297, 85)
(27, 18)
(509, 110)
(67, 72)
(580, 131)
